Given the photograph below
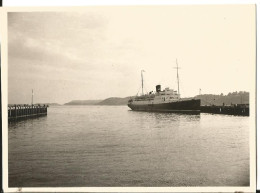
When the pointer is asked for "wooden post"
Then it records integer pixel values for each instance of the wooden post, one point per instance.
(19, 111)
(15, 112)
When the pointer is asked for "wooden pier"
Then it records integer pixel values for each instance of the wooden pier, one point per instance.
(237, 109)
(17, 112)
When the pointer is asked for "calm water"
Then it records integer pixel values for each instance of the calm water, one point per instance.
(113, 146)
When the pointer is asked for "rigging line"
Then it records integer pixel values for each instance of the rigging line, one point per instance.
(144, 85)
(145, 89)
(178, 75)
(142, 81)
(138, 91)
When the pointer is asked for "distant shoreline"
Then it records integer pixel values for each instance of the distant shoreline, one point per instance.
(241, 97)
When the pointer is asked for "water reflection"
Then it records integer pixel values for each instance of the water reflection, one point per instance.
(25, 123)
(167, 116)
(112, 146)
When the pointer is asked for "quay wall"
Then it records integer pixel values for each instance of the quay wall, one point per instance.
(16, 112)
(242, 110)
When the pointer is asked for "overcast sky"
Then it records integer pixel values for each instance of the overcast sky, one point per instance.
(99, 52)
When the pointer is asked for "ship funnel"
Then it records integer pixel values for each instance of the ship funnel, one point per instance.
(158, 88)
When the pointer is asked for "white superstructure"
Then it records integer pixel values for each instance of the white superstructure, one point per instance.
(165, 96)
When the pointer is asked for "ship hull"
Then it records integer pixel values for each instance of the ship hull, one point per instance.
(182, 106)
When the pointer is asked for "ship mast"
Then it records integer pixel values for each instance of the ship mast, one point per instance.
(177, 76)
(142, 81)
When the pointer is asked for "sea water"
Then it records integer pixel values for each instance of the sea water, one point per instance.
(94, 146)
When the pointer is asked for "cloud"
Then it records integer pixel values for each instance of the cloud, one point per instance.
(54, 36)
(103, 49)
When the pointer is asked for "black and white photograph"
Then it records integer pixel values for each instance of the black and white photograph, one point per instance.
(131, 97)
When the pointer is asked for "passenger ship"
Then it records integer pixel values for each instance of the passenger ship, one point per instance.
(167, 100)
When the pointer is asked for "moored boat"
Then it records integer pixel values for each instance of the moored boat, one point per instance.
(167, 100)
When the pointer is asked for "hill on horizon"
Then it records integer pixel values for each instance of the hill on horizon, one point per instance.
(108, 101)
(83, 102)
(241, 97)
(114, 101)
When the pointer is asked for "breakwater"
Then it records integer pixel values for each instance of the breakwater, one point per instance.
(238, 109)
(17, 112)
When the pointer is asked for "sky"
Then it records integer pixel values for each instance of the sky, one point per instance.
(99, 51)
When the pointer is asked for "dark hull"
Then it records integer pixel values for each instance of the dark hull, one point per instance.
(185, 106)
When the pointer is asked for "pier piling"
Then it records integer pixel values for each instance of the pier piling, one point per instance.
(16, 112)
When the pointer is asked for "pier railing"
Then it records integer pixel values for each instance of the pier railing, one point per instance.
(26, 111)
